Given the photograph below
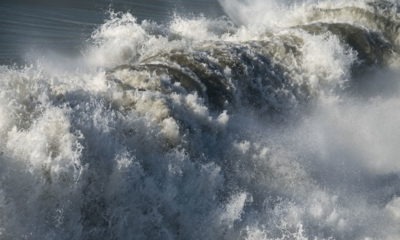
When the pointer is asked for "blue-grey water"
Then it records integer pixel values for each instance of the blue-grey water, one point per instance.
(208, 119)
(64, 25)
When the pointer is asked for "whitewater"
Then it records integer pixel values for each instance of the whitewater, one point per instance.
(278, 121)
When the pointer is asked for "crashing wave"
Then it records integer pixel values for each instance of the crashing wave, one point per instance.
(209, 129)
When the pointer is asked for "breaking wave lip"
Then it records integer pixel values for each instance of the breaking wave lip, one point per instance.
(264, 128)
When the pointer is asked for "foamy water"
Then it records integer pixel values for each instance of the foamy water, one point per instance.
(279, 121)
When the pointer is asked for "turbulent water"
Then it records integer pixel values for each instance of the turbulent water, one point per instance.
(41, 27)
(278, 121)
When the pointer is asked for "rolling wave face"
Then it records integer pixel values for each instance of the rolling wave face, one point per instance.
(209, 129)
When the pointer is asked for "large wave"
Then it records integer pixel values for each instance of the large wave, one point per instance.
(277, 122)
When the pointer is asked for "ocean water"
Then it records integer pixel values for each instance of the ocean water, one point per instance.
(62, 26)
(236, 119)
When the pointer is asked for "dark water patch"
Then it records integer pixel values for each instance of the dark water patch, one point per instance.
(57, 25)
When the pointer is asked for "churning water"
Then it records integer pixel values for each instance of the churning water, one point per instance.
(278, 121)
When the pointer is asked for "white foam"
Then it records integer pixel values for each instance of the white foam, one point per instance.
(87, 156)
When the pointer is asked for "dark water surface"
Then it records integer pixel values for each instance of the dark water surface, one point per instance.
(62, 26)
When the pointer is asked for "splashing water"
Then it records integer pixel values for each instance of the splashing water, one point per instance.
(279, 122)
